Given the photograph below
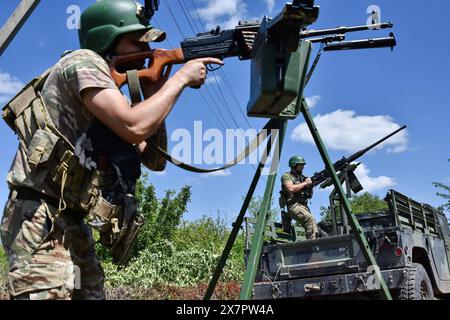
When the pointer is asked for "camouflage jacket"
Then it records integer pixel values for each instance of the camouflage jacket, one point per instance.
(76, 71)
(290, 198)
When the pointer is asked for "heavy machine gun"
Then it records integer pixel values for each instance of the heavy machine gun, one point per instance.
(281, 44)
(322, 176)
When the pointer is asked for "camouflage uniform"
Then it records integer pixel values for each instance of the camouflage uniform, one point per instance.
(298, 208)
(43, 265)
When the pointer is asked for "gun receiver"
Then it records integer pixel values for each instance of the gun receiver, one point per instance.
(322, 176)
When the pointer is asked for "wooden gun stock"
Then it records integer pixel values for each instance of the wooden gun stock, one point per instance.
(159, 59)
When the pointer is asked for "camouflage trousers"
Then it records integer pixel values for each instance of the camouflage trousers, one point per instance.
(302, 214)
(59, 265)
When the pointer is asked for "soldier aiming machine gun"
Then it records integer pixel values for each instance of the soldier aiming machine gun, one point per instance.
(324, 175)
(285, 32)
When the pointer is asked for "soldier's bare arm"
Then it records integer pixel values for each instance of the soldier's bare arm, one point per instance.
(135, 125)
(294, 188)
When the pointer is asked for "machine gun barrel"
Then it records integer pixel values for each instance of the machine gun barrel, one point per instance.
(362, 152)
(388, 42)
(328, 39)
(343, 30)
(323, 175)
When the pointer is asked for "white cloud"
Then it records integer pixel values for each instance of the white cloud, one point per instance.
(344, 130)
(161, 173)
(222, 173)
(270, 4)
(225, 14)
(312, 101)
(9, 86)
(371, 184)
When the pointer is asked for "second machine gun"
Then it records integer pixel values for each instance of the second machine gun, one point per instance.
(322, 176)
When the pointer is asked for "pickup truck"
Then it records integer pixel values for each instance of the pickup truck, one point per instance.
(410, 242)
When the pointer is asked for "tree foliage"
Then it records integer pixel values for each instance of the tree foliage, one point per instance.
(255, 205)
(3, 274)
(3, 262)
(363, 203)
(443, 193)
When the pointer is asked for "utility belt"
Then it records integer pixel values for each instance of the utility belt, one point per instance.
(25, 193)
(286, 199)
(303, 202)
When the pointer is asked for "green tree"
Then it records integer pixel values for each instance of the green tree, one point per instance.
(255, 205)
(203, 233)
(363, 203)
(162, 216)
(444, 193)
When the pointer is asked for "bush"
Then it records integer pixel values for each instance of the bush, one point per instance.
(3, 274)
(171, 253)
(185, 261)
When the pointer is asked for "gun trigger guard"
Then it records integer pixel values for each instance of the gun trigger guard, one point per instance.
(210, 68)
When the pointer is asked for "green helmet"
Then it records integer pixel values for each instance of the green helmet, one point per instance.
(103, 22)
(295, 160)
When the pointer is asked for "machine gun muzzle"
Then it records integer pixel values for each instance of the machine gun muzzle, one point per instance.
(389, 42)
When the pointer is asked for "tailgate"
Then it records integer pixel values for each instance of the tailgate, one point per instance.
(331, 255)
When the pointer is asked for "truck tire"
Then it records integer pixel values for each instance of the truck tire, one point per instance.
(416, 285)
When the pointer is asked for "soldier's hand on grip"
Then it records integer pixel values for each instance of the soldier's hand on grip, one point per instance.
(194, 71)
(308, 182)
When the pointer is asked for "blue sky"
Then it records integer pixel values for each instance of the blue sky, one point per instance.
(357, 96)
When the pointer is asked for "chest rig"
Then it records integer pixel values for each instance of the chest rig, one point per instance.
(289, 198)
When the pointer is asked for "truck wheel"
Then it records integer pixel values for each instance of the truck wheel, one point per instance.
(416, 285)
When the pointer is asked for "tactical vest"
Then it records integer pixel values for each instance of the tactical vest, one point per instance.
(106, 194)
(289, 198)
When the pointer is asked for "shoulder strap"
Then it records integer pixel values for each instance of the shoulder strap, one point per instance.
(135, 95)
(134, 86)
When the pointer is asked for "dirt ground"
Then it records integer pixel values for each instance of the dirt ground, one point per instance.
(224, 291)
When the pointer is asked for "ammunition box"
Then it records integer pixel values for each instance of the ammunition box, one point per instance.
(277, 79)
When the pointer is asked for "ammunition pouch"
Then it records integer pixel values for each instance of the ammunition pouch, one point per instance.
(123, 230)
(286, 222)
(282, 200)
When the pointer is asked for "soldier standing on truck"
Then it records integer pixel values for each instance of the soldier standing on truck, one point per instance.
(296, 190)
(81, 147)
